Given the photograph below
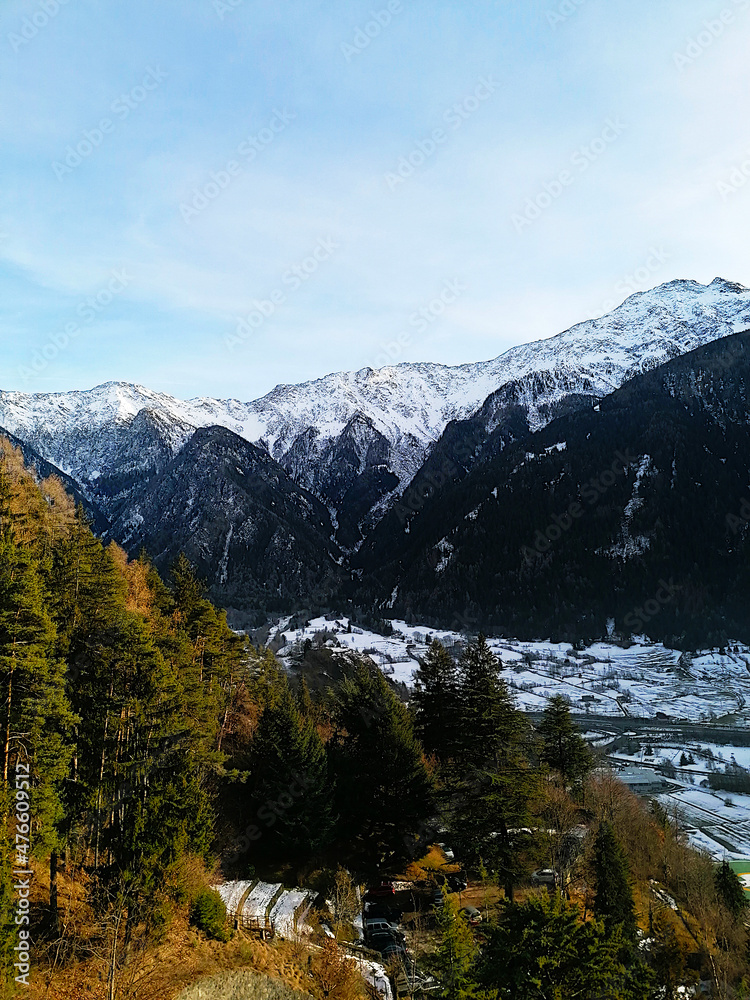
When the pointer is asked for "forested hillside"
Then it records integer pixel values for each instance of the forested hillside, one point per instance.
(144, 738)
(114, 694)
(148, 752)
(633, 510)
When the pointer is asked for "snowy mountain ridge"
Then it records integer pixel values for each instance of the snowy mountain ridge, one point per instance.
(346, 423)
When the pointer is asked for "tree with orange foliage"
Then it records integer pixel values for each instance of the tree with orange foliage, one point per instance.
(334, 976)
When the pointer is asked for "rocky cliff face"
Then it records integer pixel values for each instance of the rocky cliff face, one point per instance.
(631, 514)
(361, 444)
(258, 539)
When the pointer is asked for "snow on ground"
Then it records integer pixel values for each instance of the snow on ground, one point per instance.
(375, 974)
(602, 679)
(287, 913)
(718, 822)
(701, 758)
(644, 681)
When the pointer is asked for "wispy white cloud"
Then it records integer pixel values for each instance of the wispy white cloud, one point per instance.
(346, 124)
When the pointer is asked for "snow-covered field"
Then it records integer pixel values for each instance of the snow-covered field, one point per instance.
(716, 821)
(721, 829)
(603, 679)
(647, 681)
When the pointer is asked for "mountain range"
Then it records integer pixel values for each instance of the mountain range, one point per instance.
(626, 517)
(330, 488)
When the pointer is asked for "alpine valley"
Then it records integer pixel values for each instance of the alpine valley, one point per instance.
(549, 490)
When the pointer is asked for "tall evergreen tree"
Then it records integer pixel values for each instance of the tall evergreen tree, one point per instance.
(290, 792)
(437, 703)
(488, 711)
(384, 789)
(456, 953)
(36, 716)
(492, 777)
(542, 949)
(730, 891)
(563, 748)
(614, 895)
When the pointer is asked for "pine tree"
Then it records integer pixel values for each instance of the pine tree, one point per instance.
(614, 896)
(438, 709)
(488, 711)
(36, 716)
(541, 948)
(492, 778)
(730, 891)
(187, 589)
(384, 789)
(456, 953)
(563, 749)
(291, 796)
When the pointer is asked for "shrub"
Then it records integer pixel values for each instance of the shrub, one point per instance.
(210, 915)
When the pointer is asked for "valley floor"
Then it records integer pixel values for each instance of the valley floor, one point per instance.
(645, 705)
(646, 680)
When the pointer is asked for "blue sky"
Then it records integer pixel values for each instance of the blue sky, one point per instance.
(326, 170)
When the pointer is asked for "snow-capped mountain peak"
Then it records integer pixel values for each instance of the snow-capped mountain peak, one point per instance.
(405, 407)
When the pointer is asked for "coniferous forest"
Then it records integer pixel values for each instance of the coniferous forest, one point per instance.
(149, 750)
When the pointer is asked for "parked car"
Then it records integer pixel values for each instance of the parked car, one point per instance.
(394, 952)
(456, 883)
(380, 926)
(381, 890)
(472, 915)
(450, 856)
(387, 943)
(544, 876)
(380, 909)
